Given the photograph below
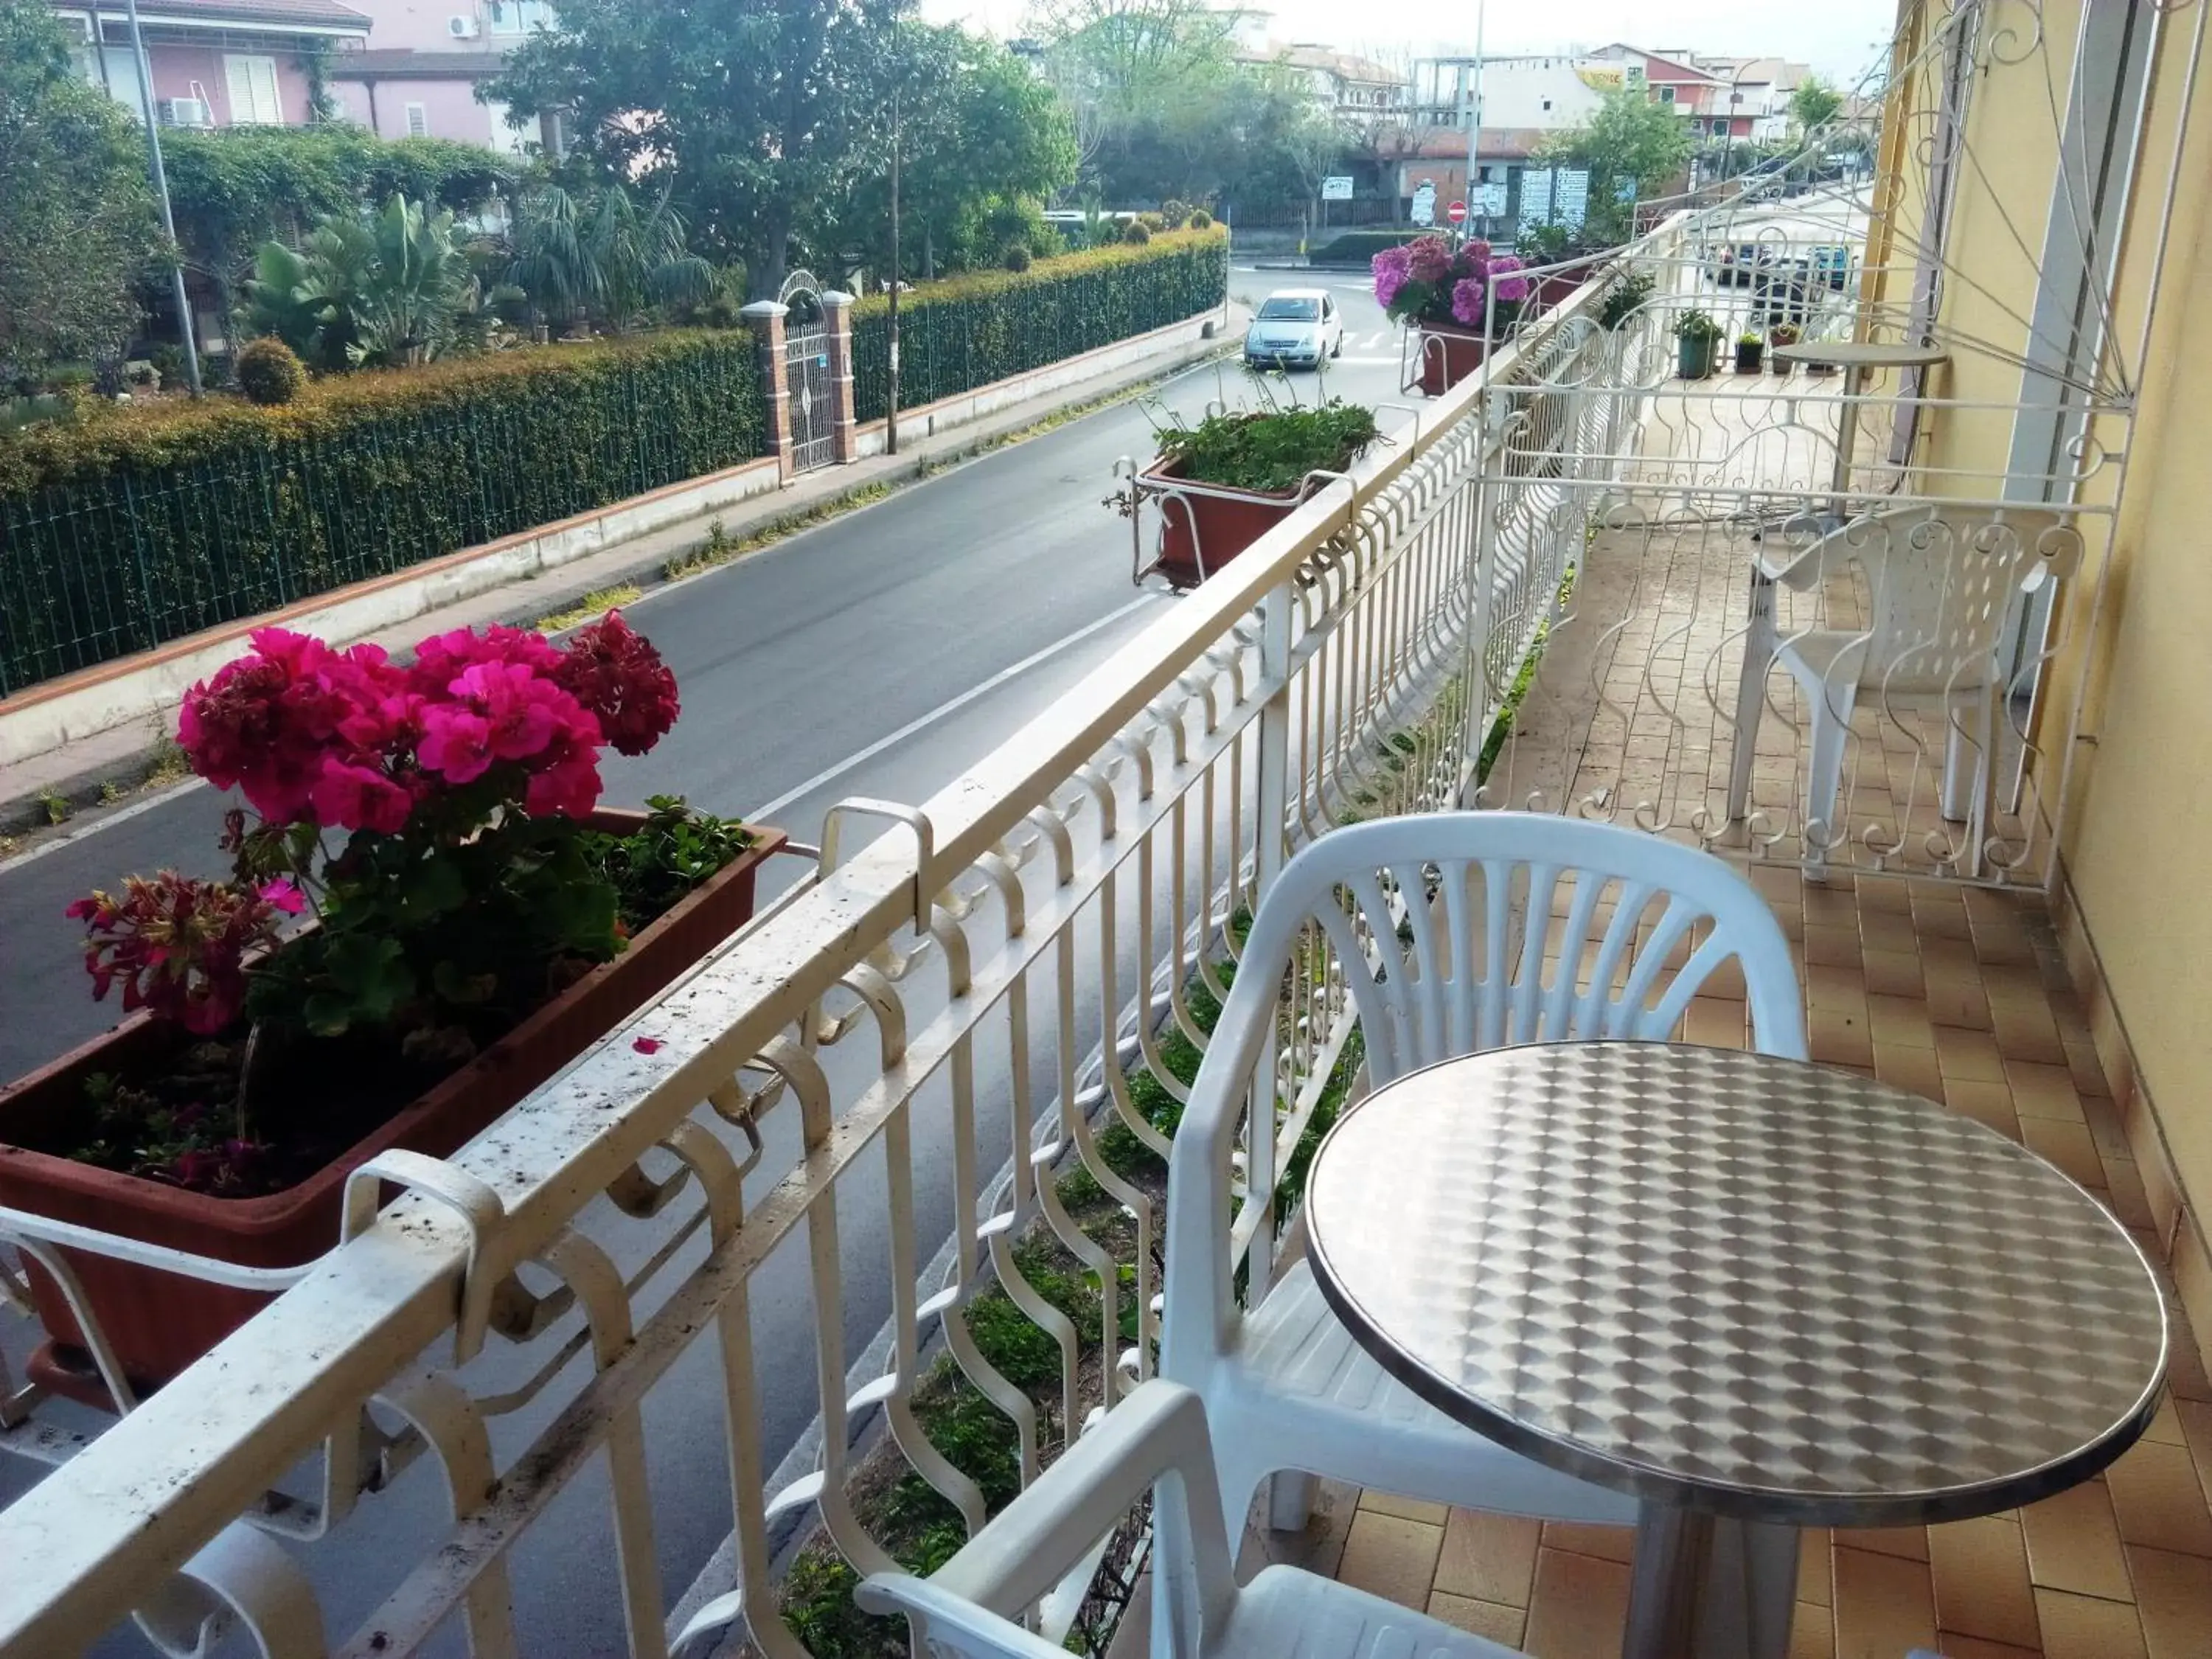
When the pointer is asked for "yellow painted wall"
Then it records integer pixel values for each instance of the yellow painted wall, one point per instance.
(2138, 794)
(2143, 793)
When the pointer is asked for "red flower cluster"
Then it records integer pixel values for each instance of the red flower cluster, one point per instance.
(349, 740)
(613, 672)
(180, 945)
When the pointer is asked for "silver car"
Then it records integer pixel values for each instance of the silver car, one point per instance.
(1294, 328)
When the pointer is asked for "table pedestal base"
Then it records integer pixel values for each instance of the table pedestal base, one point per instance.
(1706, 1588)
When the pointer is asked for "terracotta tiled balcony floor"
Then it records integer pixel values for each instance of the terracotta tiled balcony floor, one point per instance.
(1960, 996)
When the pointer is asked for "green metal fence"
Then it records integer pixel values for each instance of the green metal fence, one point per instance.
(109, 559)
(126, 534)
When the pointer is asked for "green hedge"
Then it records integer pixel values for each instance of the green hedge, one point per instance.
(130, 528)
(956, 335)
(1357, 247)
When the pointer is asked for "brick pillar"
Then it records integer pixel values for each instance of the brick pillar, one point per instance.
(844, 431)
(765, 319)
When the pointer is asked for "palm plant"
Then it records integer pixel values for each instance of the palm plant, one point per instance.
(598, 258)
(393, 290)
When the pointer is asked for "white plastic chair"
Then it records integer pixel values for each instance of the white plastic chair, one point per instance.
(1944, 582)
(1285, 1386)
(1155, 1438)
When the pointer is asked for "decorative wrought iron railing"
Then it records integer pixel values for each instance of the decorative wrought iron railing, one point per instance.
(875, 1224)
(612, 1316)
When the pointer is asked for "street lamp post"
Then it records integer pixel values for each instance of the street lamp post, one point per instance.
(891, 420)
(162, 193)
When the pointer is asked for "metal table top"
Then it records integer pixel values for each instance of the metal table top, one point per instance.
(1737, 1283)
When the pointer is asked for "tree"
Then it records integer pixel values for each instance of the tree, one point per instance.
(1813, 106)
(1628, 145)
(235, 188)
(77, 228)
(596, 257)
(745, 110)
(981, 140)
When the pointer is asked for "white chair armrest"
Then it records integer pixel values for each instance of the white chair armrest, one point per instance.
(1159, 1429)
(949, 1622)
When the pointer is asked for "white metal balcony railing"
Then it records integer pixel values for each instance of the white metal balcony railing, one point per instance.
(724, 1238)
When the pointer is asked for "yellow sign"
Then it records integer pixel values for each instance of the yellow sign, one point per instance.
(1600, 78)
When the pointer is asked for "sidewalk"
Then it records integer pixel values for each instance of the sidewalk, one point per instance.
(104, 767)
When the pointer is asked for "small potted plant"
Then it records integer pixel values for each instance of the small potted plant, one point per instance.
(1696, 342)
(1459, 300)
(1223, 483)
(1750, 353)
(428, 915)
(1781, 335)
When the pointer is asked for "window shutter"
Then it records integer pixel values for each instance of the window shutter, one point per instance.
(418, 122)
(238, 82)
(252, 82)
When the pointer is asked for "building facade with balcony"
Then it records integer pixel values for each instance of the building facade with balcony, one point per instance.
(417, 77)
(216, 63)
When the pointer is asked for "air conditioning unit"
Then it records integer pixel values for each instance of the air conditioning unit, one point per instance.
(184, 113)
(461, 28)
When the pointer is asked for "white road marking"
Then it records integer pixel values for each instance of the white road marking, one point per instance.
(943, 710)
(121, 814)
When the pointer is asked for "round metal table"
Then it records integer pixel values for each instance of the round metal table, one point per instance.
(1759, 1294)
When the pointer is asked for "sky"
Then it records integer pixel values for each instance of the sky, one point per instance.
(1838, 38)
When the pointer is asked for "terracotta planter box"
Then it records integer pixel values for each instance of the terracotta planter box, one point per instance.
(1449, 354)
(159, 1322)
(1201, 532)
(1556, 289)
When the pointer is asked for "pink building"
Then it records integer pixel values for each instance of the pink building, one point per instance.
(425, 58)
(214, 63)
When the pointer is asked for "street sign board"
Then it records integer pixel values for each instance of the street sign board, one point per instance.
(1336, 188)
(1457, 213)
(1424, 203)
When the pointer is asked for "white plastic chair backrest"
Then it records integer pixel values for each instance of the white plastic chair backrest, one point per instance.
(1458, 973)
(1941, 581)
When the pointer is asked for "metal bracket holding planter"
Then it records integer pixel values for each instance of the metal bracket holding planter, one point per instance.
(1137, 487)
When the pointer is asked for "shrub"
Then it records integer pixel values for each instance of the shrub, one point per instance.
(1174, 215)
(971, 330)
(1016, 256)
(1136, 233)
(1153, 222)
(1200, 219)
(269, 372)
(150, 521)
(1358, 247)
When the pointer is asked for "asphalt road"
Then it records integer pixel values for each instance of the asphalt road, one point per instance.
(879, 654)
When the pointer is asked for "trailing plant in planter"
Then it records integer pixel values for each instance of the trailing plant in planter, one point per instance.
(1750, 353)
(428, 914)
(1270, 450)
(1226, 481)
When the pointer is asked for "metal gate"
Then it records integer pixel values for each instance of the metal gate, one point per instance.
(806, 375)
